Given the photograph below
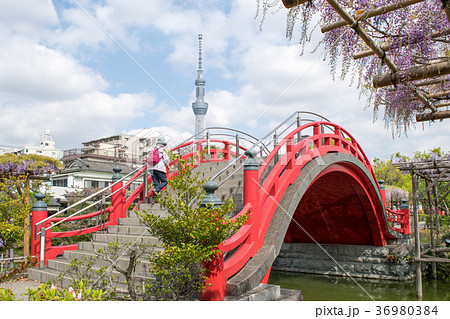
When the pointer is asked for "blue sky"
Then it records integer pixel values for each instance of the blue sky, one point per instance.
(60, 69)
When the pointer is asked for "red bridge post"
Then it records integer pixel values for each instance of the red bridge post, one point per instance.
(251, 195)
(406, 216)
(117, 197)
(215, 286)
(38, 213)
(382, 191)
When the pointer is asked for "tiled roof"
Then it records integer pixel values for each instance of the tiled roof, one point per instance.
(97, 166)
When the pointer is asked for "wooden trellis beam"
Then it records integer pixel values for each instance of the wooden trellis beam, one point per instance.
(362, 33)
(424, 100)
(422, 166)
(430, 186)
(447, 11)
(370, 14)
(432, 81)
(412, 74)
(440, 115)
(438, 94)
(293, 3)
(388, 46)
(445, 191)
(442, 105)
(354, 24)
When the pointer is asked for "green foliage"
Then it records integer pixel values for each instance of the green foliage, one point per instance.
(386, 171)
(429, 155)
(443, 271)
(13, 211)
(187, 221)
(189, 230)
(444, 221)
(178, 273)
(49, 292)
(6, 294)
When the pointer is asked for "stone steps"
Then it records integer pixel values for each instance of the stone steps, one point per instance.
(128, 230)
(52, 275)
(132, 230)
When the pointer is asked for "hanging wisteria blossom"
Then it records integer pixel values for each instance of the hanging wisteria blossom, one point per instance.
(29, 164)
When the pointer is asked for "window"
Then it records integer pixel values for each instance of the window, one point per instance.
(96, 184)
(60, 182)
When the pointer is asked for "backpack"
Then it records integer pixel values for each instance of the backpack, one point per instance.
(154, 157)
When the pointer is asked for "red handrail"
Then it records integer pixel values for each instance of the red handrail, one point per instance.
(274, 186)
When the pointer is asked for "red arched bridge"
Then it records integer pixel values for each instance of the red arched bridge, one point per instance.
(313, 185)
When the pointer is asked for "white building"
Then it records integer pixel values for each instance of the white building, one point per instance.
(92, 166)
(122, 147)
(47, 147)
(87, 173)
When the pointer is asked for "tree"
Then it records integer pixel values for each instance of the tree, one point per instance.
(190, 235)
(391, 175)
(16, 171)
(13, 211)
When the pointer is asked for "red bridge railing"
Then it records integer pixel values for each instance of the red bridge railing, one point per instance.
(264, 186)
(42, 225)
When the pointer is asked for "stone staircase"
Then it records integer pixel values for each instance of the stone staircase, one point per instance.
(128, 230)
(132, 230)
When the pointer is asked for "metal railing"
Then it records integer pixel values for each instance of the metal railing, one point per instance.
(100, 192)
(263, 145)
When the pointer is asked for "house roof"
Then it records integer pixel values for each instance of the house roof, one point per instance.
(97, 166)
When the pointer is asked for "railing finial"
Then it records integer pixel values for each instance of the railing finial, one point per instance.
(210, 198)
(39, 205)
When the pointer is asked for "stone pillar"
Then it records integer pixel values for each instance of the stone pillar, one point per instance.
(38, 213)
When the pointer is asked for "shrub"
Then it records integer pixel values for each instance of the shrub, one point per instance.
(6, 294)
(190, 234)
(48, 292)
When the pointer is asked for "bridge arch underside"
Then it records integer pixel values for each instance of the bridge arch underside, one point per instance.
(340, 206)
(335, 199)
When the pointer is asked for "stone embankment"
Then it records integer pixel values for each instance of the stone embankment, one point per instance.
(391, 262)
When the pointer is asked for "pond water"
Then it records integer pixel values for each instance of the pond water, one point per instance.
(331, 288)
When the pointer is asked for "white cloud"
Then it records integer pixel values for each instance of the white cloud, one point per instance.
(45, 79)
(29, 19)
(30, 70)
(90, 116)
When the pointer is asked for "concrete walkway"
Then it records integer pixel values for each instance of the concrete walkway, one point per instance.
(19, 287)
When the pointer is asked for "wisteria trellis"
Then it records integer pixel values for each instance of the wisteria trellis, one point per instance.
(409, 33)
